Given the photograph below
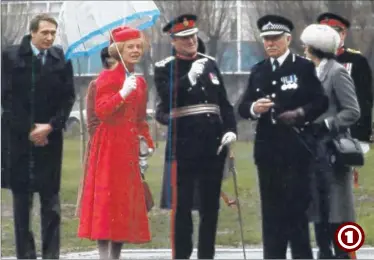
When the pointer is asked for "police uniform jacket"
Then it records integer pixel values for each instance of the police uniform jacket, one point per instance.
(359, 69)
(193, 136)
(293, 85)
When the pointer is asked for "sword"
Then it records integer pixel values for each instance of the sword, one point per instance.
(233, 170)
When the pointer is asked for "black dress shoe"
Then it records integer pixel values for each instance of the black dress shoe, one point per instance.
(325, 255)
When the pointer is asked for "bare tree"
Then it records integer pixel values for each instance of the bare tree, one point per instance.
(213, 21)
(303, 13)
(362, 29)
(13, 22)
(215, 18)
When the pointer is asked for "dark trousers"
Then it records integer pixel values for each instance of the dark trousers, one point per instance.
(325, 231)
(208, 177)
(50, 214)
(325, 239)
(285, 199)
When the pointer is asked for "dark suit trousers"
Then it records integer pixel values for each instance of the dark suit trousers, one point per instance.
(284, 201)
(208, 177)
(50, 214)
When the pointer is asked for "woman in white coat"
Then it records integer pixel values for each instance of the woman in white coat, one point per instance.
(332, 184)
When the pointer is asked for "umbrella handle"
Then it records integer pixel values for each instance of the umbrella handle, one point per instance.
(119, 54)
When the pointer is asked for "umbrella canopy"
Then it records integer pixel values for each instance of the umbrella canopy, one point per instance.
(84, 26)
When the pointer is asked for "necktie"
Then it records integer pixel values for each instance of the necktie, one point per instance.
(275, 65)
(40, 57)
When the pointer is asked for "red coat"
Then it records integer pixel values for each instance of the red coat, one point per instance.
(113, 204)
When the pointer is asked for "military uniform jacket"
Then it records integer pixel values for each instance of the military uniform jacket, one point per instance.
(359, 69)
(294, 84)
(193, 136)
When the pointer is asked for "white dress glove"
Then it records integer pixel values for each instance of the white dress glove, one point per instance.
(227, 139)
(196, 70)
(128, 86)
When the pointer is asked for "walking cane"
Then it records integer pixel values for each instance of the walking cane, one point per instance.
(233, 170)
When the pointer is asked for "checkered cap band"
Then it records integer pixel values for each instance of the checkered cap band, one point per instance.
(274, 27)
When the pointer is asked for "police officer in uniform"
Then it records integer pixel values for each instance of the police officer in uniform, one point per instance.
(191, 90)
(359, 69)
(285, 96)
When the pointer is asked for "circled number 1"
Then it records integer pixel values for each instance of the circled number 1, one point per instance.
(349, 235)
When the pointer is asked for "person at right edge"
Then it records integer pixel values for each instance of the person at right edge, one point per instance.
(332, 184)
(285, 96)
(359, 69)
(204, 121)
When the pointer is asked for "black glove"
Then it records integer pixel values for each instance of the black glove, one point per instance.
(291, 117)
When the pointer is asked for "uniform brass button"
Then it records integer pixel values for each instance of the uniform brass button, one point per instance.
(202, 88)
(274, 82)
(208, 115)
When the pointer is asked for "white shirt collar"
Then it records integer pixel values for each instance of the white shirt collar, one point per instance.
(36, 51)
(281, 58)
(320, 67)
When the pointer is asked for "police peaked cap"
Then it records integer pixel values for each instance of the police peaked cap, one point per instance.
(274, 25)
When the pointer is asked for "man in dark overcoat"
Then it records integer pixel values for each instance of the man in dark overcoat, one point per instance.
(192, 93)
(37, 95)
(284, 95)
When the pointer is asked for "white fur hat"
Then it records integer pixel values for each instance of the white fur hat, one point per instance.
(321, 37)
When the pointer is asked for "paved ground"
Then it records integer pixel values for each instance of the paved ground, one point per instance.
(222, 253)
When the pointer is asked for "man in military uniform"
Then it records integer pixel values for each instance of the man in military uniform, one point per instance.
(359, 69)
(284, 95)
(192, 93)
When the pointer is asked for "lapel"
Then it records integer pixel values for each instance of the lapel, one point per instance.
(325, 70)
(52, 59)
(286, 62)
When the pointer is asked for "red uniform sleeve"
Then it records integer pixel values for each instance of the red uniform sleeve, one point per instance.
(142, 117)
(108, 99)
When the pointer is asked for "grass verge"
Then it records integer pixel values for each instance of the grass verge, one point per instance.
(228, 229)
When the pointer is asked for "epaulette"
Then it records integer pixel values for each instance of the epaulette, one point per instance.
(162, 63)
(258, 63)
(353, 51)
(206, 56)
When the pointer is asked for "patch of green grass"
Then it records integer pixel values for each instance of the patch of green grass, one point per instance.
(228, 228)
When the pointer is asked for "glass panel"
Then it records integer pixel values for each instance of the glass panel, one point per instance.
(38, 8)
(55, 6)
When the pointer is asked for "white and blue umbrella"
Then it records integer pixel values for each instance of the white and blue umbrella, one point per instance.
(84, 26)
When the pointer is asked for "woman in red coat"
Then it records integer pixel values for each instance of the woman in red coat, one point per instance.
(92, 120)
(113, 208)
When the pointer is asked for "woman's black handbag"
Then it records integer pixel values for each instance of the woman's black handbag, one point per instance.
(347, 151)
